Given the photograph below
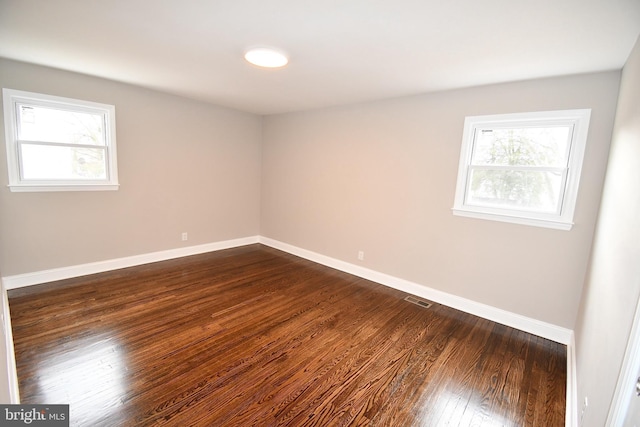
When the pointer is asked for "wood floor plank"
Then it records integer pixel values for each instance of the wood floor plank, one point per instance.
(252, 336)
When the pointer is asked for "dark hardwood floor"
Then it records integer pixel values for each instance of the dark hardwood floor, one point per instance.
(255, 337)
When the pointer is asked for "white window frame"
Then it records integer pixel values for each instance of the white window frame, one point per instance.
(12, 98)
(563, 218)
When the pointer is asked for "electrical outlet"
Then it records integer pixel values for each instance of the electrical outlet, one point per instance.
(184, 236)
(361, 255)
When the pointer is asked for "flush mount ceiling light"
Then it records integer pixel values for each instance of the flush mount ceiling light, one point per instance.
(265, 57)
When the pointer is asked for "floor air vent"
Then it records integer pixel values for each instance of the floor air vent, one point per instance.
(418, 301)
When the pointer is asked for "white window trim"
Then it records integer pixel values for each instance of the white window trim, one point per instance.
(12, 97)
(563, 220)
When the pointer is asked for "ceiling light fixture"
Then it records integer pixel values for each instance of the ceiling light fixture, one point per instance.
(266, 57)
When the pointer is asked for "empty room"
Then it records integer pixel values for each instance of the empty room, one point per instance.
(287, 213)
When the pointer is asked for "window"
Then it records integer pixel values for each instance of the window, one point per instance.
(522, 168)
(59, 144)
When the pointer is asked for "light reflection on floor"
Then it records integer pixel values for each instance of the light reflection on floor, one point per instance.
(91, 377)
(453, 408)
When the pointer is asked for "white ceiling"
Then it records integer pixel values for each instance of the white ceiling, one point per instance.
(341, 51)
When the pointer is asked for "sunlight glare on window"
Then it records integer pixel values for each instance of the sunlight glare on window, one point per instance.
(52, 162)
(524, 190)
(54, 125)
(534, 146)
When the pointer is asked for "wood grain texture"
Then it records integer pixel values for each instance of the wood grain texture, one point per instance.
(255, 337)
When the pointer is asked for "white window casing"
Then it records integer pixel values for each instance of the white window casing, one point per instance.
(59, 144)
(565, 133)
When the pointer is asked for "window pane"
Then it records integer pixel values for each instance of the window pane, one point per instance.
(529, 190)
(37, 123)
(54, 162)
(535, 146)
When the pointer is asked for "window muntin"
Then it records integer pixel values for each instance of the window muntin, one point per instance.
(522, 168)
(56, 144)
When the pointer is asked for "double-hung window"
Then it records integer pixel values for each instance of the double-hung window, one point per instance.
(522, 168)
(59, 144)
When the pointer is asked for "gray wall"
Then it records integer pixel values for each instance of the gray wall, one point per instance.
(612, 287)
(183, 166)
(380, 177)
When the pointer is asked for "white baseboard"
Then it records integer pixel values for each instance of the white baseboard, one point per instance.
(523, 323)
(10, 356)
(28, 279)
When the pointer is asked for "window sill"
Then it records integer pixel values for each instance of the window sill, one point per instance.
(557, 224)
(22, 188)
